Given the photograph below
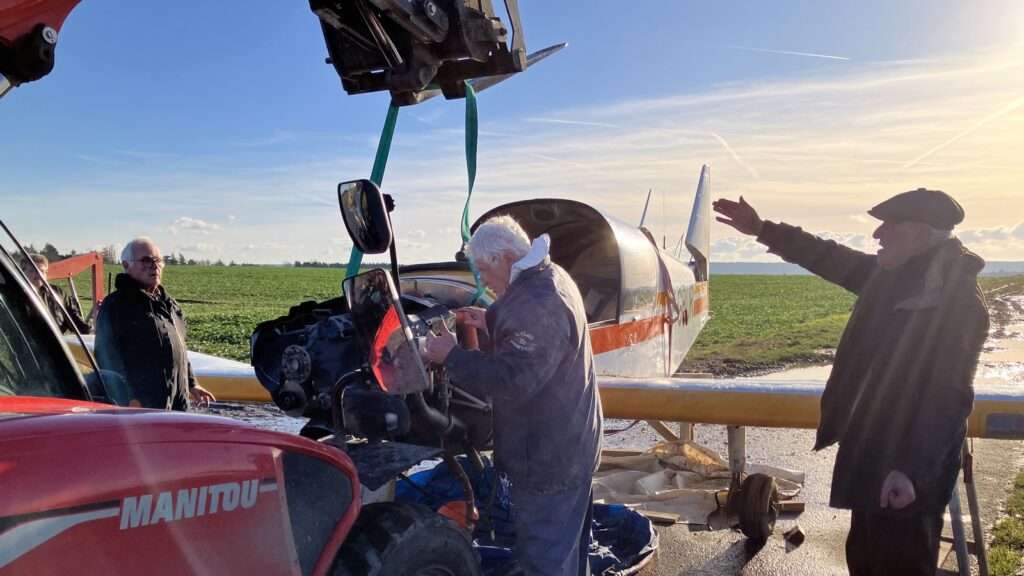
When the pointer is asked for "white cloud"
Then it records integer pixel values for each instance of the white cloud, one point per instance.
(194, 225)
(1001, 233)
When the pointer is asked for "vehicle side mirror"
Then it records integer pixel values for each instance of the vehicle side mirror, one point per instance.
(112, 389)
(365, 215)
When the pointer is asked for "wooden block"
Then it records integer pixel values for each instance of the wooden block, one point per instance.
(791, 507)
(662, 518)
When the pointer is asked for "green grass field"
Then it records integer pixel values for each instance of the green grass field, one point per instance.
(766, 321)
(757, 321)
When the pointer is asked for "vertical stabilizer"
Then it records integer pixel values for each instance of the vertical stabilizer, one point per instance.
(646, 204)
(698, 235)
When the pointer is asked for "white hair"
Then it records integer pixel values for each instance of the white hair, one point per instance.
(128, 254)
(497, 237)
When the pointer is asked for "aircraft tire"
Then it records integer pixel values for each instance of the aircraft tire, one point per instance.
(759, 507)
(395, 539)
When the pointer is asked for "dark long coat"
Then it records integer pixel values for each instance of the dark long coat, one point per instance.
(901, 385)
(142, 337)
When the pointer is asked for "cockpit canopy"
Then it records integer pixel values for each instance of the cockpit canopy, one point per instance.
(613, 264)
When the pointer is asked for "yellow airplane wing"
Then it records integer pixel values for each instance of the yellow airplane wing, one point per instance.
(998, 408)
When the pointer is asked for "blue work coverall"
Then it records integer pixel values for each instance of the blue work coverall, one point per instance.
(540, 375)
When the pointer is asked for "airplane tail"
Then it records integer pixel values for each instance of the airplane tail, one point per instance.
(698, 235)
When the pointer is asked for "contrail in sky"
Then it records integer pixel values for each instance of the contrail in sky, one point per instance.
(1002, 112)
(556, 160)
(735, 156)
(572, 122)
(789, 53)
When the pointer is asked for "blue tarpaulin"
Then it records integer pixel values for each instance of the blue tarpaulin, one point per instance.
(623, 539)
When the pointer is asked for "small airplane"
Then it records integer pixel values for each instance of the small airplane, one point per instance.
(645, 305)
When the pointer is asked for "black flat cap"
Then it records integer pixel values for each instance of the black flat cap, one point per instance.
(932, 207)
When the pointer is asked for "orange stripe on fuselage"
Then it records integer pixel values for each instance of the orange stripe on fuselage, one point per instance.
(700, 298)
(608, 338)
(699, 305)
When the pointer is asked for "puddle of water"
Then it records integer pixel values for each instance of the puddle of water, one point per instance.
(1002, 363)
(1007, 349)
(266, 416)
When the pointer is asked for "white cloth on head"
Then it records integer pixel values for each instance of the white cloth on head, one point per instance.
(538, 252)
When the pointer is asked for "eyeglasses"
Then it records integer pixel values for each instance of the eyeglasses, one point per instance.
(150, 261)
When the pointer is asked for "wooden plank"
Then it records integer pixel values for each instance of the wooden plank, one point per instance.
(662, 429)
(661, 518)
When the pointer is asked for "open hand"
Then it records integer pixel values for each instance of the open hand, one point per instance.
(438, 346)
(201, 397)
(897, 491)
(739, 215)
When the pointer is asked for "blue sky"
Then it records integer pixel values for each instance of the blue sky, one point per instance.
(217, 129)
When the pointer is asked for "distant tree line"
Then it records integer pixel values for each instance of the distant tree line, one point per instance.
(320, 264)
(112, 256)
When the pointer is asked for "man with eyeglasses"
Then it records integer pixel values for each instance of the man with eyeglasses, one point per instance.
(140, 333)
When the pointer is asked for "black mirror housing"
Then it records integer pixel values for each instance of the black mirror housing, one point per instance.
(366, 215)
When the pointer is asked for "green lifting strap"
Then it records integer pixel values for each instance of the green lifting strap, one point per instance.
(471, 137)
(380, 162)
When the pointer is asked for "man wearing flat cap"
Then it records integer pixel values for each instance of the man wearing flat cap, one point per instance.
(900, 391)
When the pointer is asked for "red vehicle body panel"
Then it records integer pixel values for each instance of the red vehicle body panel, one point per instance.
(91, 489)
(19, 16)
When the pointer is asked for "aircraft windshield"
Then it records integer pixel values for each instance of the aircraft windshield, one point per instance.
(378, 317)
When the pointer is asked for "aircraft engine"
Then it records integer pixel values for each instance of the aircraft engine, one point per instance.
(314, 366)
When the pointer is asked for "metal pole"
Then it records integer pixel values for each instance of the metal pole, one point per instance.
(686, 431)
(737, 449)
(977, 531)
(956, 522)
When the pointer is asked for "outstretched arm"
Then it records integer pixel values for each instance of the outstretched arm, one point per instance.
(834, 262)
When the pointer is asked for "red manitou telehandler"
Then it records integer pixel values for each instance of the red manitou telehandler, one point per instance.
(90, 487)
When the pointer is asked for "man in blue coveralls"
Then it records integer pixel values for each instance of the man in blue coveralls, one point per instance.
(539, 371)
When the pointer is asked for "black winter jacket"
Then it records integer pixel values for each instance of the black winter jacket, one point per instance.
(71, 305)
(142, 337)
